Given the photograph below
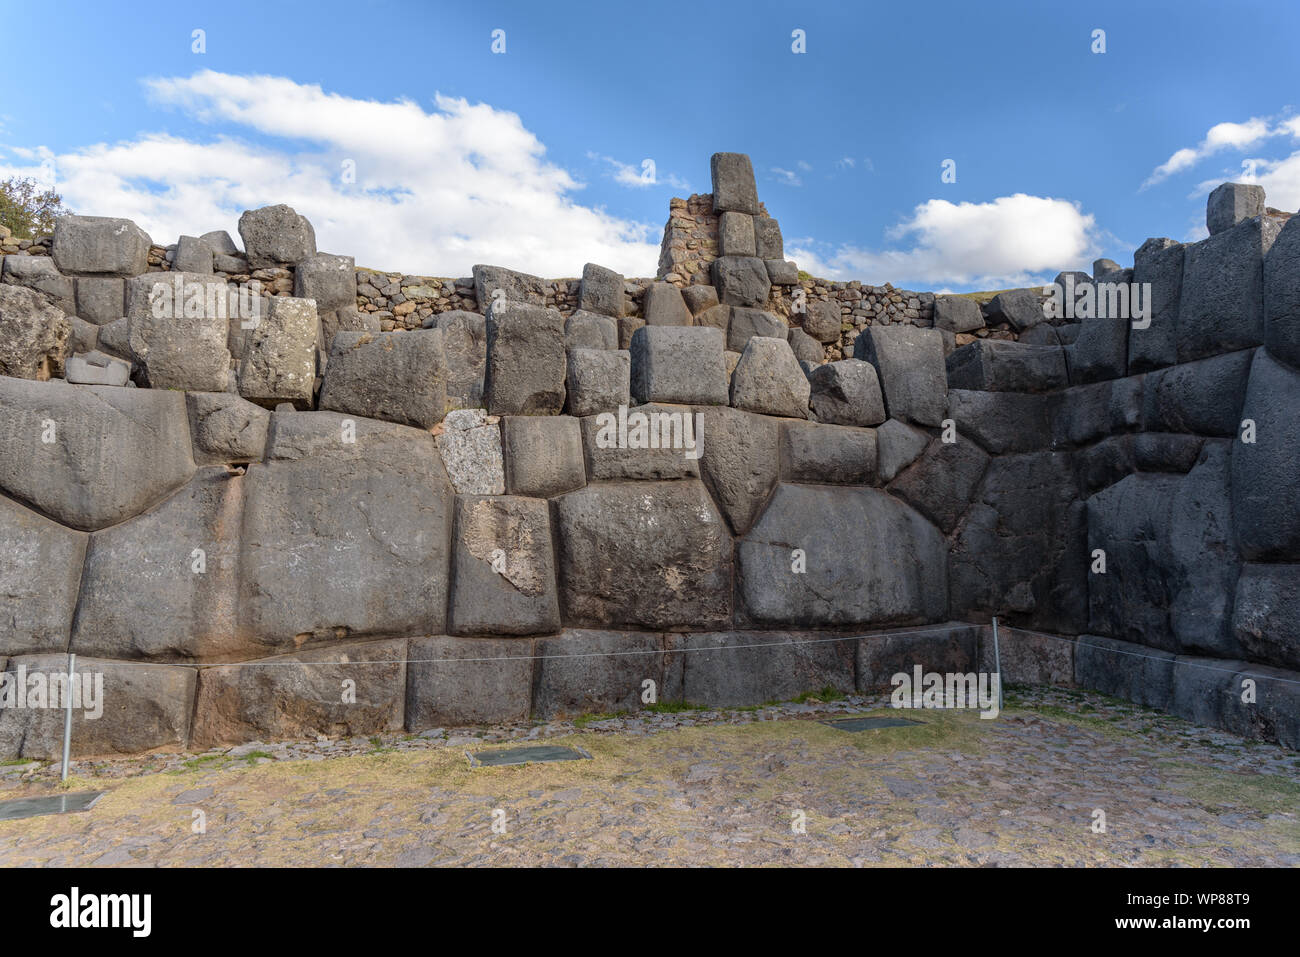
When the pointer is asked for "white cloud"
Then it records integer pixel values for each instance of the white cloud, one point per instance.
(641, 176)
(1011, 241)
(1221, 136)
(435, 192)
(786, 176)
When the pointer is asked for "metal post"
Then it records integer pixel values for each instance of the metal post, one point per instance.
(67, 715)
(997, 660)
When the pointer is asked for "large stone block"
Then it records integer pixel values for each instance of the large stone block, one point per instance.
(503, 572)
(471, 452)
(1019, 308)
(736, 235)
(192, 255)
(1266, 472)
(941, 482)
(525, 360)
(957, 314)
(654, 441)
(585, 672)
(280, 356)
(899, 573)
(678, 364)
(178, 331)
(100, 299)
(276, 236)
(646, 554)
(1002, 422)
(299, 695)
(822, 321)
(396, 376)
(897, 446)
(1125, 670)
(1027, 657)
(39, 274)
(330, 280)
(601, 291)
(40, 570)
(1232, 203)
(744, 324)
(996, 365)
(543, 455)
(498, 284)
(805, 347)
(99, 245)
(1203, 397)
(1282, 295)
(110, 454)
(910, 364)
(741, 280)
(1266, 614)
(457, 681)
(1160, 263)
(740, 462)
(1100, 352)
(768, 380)
(598, 381)
(1086, 413)
(346, 531)
(767, 238)
(464, 347)
(952, 648)
(225, 428)
(827, 454)
(34, 335)
(588, 330)
(699, 298)
(733, 183)
(663, 305)
(729, 669)
(847, 393)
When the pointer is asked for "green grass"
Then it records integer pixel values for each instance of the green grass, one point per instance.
(582, 720)
(825, 694)
(673, 707)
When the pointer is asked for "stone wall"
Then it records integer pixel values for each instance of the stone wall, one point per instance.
(269, 516)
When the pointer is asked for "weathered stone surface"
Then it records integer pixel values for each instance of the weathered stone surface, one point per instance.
(1160, 263)
(1202, 397)
(678, 364)
(1125, 670)
(658, 442)
(847, 393)
(276, 236)
(827, 454)
(344, 537)
(664, 306)
(464, 347)
(96, 368)
(85, 335)
(1019, 308)
(178, 331)
(768, 380)
(543, 455)
(601, 291)
(1166, 452)
(1027, 657)
(898, 573)
(910, 364)
(1100, 352)
(1266, 473)
(731, 669)
(164, 586)
(396, 376)
(330, 280)
(470, 447)
(782, 272)
(1221, 308)
(715, 317)
(585, 672)
(525, 360)
(33, 334)
(995, 365)
(225, 428)
(649, 554)
(40, 570)
(192, 255)
(736, 234)
(954, 649)
(219, 241)
(741, 280)
(38, 273)
(114, 452)
(740, 462)
(733, 183)
(1104, 267)
(1282, 295)
(1232, 203)
(101, 300)
(1206, 690)
(587, 330)
(822, 321)
(747, 323)
(503, 571)
(597, 381)
(1266, 614)
(280, 356)
(699, 297)
(298, 696)
(941, 482)
(1275, 715)
(343, 319)
(767, 238)
(957, 314)
(1002, 422)
(897, 446)
(805, 347)
(448, 682)
(1086, 413)
(627, 327)
(496, 283)
(99, 244)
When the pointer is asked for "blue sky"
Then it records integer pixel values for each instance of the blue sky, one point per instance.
(533, 158)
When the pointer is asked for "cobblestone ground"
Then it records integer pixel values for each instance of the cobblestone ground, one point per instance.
(701, 788)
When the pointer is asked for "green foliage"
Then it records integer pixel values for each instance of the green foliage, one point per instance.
(28, 211)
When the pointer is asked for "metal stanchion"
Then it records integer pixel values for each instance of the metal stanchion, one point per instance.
(67, 714)
(997, 660)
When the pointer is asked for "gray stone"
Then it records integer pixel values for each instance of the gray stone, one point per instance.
(736, 234)
(767, 239)
(733, 183)
(343, 319)
(730, 669)
(1275, 714)
(627, 327)
(847, 393)
(1125, 670)
(699, 297)
(747, 323)
(601, 291)
(464, 346)
(805, 347)
(1104, 267)
(101, 300)
(656, 442)
(646, 554)
(822, 321)
(1206, 690)
(1086, 413)
(543, 455)
(1027, 657)
(715, 317)
(178, 330)
(219, 241)
(782, 272)
(1202, 397)
(957, 314)
(898, 573)
(192, 255)
(584, 672)
(280, 356)
(40, 571)
(225, 428)
(449, 682)
(1002, 422)
(396, 376)
(1100, 352)
(330, 280)
(664, 306)
(525, 360)
(503, 571)
(85, 335)
(678, 364)
(1266, 614)
(768, 380)
(827, 454)
(471, 452)
(39, 274)
(99, 245)
(587, 330)
(230, 265)
(740, 462)
(114, 452)
(34, 334)
(897, 446)
(941, 482)
(344, 537)
(96, 368)
(1232, 203)
(1282, 295)
(493, 283)
(910, 364)
(952, 650)
(1266, 473)
(1160, 263)
(276, 236)
(995, 365)
(1166, 452)
(1019, 308)
(297, 696)
(598, 381)
(741, 280)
